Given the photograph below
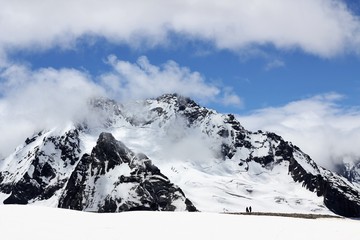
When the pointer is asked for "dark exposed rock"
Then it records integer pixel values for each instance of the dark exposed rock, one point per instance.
(148, 188)
(37, 183)
(226, 151)
(264, 161)
(350, 170)
(73, 195)
(108, 153)
(189, 109)
(223, 133)
(158, 110)
(339, 196)
(33, 138)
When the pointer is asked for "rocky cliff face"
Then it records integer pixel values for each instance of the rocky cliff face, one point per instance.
(40, 167)
(350, 170)
(114, 179)
(212, 159)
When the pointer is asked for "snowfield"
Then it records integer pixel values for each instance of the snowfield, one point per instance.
(34, 222)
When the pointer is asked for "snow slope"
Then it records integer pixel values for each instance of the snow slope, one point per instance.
(37, 223)
(212, 184)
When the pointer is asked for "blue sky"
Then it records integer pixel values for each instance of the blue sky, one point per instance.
(260, 81)
(277, 60)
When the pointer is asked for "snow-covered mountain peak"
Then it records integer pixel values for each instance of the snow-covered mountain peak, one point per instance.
(164, 109)
(103, 164)
(176, 100)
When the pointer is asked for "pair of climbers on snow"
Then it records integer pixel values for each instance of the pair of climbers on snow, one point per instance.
(248, 209)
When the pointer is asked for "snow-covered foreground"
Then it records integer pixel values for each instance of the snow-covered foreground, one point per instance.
(32, 222)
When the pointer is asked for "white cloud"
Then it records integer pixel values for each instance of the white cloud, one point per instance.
(143, 80)
(190, 144)
(274, 64)
(322, 128)
(230, 98)
(320, 27)
(33, 100)
(36, 100)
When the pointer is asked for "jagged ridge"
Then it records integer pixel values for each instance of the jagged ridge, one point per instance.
(133, 182)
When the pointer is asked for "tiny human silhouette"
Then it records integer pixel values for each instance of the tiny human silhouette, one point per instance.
(250, 209)
(247, 210)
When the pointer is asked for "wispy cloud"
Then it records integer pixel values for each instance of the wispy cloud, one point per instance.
(34, 100)
(230, 98)
(319, 125)
(274, 64)
(328, 29)
(142, 79)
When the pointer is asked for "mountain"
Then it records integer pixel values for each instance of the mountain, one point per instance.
(114, 179)
(200, 160)
(350, 169)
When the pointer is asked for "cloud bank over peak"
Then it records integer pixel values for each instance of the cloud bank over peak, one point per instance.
(322, 128)
(320, 27)
(34, 99)
(142, 79)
